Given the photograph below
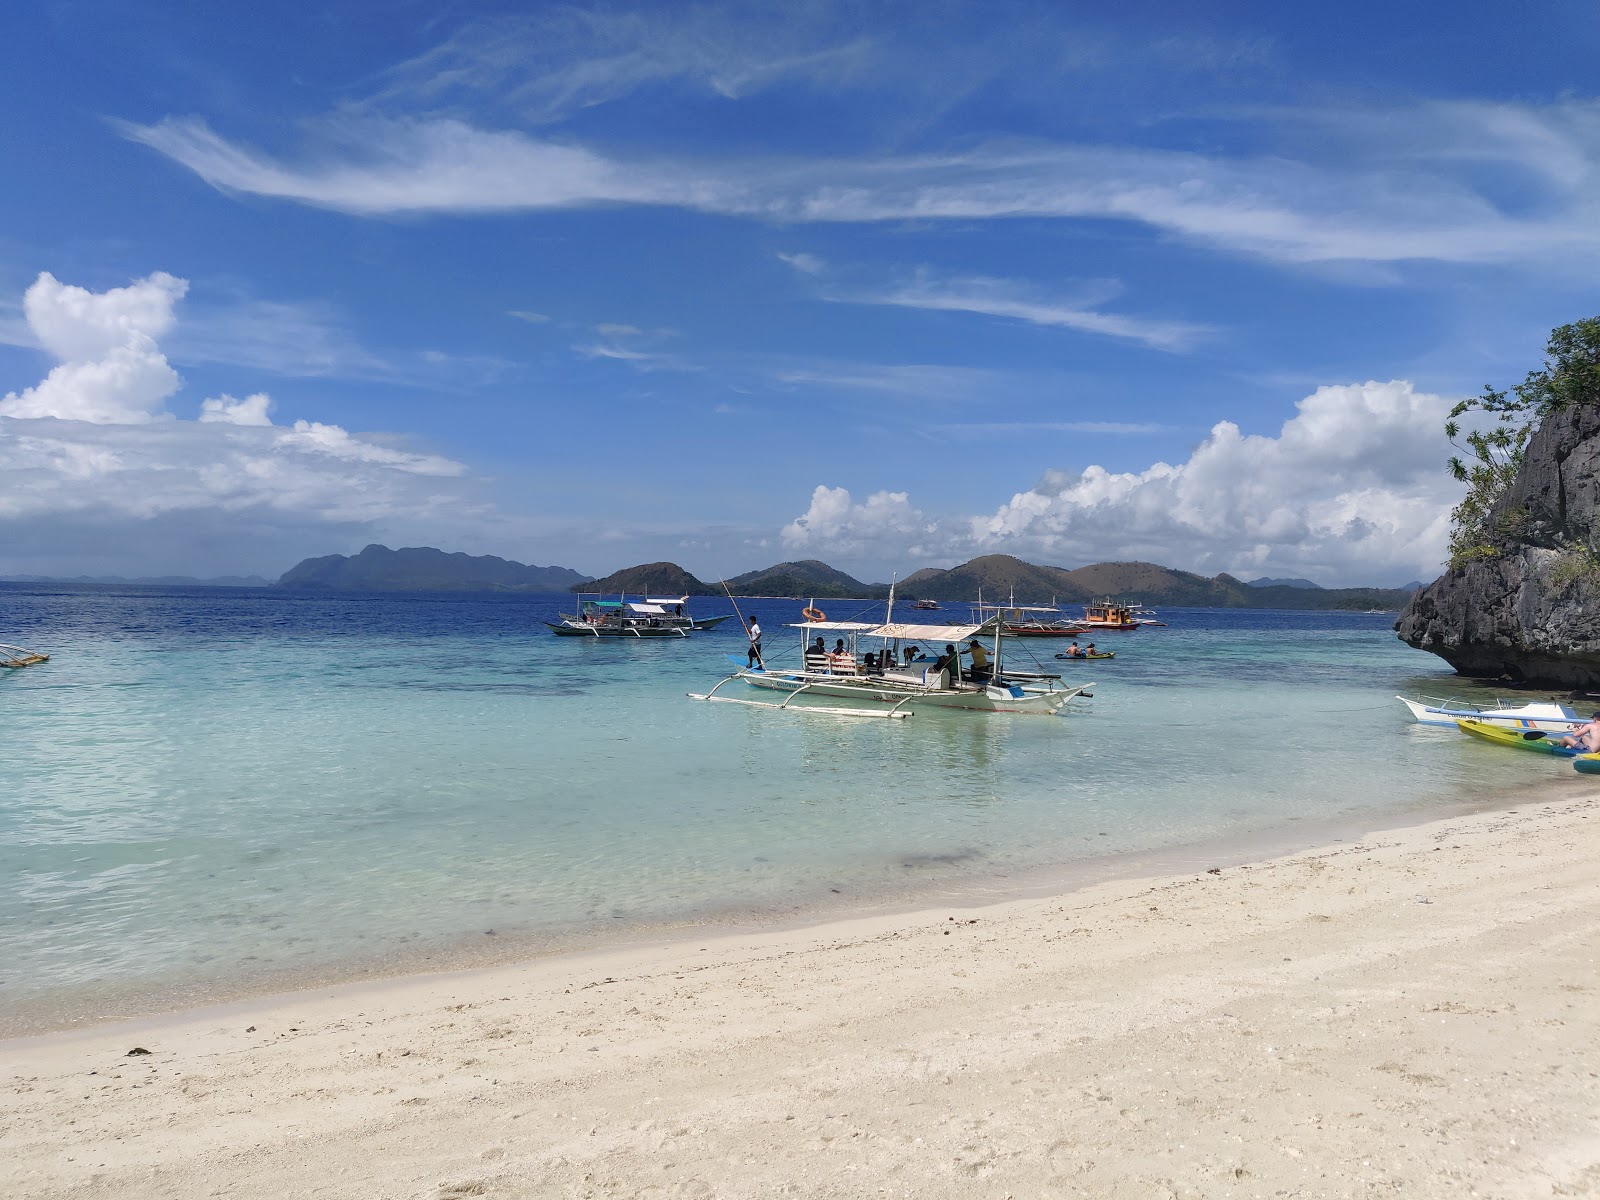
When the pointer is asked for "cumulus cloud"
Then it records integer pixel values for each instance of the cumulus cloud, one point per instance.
(95, 460)
(1352, 489)
(111, 368)
(838, 524)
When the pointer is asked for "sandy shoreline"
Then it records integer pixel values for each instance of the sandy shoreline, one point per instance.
(1413, 1014)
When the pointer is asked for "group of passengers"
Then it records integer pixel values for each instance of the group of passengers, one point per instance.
(840, 660)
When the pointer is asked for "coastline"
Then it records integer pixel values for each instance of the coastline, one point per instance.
(958, 889)
(1408, 1013)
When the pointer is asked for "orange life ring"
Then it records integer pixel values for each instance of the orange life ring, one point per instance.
(813, 614)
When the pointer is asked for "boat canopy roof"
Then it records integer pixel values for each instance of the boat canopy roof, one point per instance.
(1016, 608)
(684, 599)
(653, 608)
(905, 632)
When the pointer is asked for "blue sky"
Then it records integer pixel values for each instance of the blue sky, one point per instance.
(890, 285)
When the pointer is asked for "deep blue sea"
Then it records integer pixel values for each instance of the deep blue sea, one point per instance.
(208, 791)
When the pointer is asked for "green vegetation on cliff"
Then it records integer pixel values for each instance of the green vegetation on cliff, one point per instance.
(1480, 527)
(424, 569)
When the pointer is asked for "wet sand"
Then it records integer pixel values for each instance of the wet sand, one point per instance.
(1411, 1014)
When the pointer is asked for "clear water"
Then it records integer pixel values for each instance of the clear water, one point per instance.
(209, 787)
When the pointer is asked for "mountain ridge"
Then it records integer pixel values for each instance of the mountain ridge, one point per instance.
(423, 569)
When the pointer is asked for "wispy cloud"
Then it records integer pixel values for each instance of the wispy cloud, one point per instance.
(522, 314)
(1009, 299)
(808, 264)
(1011, 428)
(1430, 192)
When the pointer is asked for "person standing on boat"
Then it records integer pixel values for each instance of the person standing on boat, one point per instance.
(753, 659)
(980, 670)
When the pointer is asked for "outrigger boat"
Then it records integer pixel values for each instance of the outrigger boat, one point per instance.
(1107, 615)
(17, 657)
(1028, 620)
(651, 617)
(1546, 715)
(903, 686)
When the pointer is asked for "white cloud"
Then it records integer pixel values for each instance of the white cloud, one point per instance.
(808, 264)
(252, 410)
(841, 526)
(112, 369)
(1352, 489)
(522, 314)
(1417, 184)
(97, 466)
(1006, 298)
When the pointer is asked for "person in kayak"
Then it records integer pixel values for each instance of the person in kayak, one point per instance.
(1585, 737)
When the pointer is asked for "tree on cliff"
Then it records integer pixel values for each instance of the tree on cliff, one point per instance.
(1571, 375)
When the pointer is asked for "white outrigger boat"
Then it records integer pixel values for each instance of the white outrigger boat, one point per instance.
(18, 656)
(1545, 714)
(889, 680)
(623, 618)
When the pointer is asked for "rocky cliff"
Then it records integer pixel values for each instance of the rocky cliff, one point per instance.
(1530, 611)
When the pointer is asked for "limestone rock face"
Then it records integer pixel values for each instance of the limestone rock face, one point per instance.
(1532, 612)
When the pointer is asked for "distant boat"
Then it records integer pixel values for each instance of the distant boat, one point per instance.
(651, 617)
(1107, 615)
(16, 656)
(927, 605)
(1029, 620)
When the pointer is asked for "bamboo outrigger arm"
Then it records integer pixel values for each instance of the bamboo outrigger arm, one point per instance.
(893, 714)
(17, 656)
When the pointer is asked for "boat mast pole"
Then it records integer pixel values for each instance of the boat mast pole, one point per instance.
(735, 604)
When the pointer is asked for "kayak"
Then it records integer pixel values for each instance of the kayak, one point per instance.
(1096, 654)
(1587, 764)
(1521, 739)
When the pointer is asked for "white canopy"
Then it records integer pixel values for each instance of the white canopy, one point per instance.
(652, 609)
(666, 600)
(904, 632)
(844, 626)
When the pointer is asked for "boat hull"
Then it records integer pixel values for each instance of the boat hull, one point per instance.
(1550, 717)
(1586, 764)
(1013, 698)
(629, 633)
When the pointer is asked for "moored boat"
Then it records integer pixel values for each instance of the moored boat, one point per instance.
(622, 618)
(897, 675)
(1544, 714)
(1028, 620)
(1109, 615)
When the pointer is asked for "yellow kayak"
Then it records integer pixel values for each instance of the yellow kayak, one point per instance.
(1521, 739)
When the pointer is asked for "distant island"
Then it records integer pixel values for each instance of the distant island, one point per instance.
(424, 569)
(1002, 578)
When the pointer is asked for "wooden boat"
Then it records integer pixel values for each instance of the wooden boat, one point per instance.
(17, 657)
(622, 618)
(1029, 620)
(895, 683)
(927, 605)
(1108, 615)
(1547, 715)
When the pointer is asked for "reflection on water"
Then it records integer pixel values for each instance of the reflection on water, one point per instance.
(206, 783)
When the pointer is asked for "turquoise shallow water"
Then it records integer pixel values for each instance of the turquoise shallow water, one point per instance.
(209, 789)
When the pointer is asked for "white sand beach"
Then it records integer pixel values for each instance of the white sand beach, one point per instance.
(1414, 1014)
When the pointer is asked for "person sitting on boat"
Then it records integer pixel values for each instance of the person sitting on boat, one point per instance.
(949, 661)
(817, 655)
(753, 658)
(980, 671)
(1088, 651)
(1585, 737)
(1073, 651)
(869, 664)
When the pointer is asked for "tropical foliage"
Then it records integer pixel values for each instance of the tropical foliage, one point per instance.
(1492, 452)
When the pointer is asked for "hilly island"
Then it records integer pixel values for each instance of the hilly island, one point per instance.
(996, 577)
